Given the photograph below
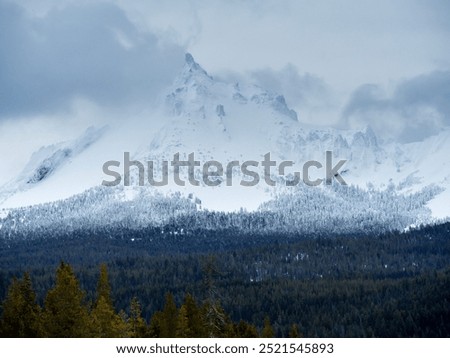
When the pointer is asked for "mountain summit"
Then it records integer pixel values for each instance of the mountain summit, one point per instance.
(227, 122)
(191, 66)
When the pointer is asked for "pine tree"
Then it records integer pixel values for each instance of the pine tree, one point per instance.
(65, 314)
(169, 317)
(214, 317)
(136, 324)
(155, 327)
(105, 321)
(183, 329)
(267, 331)
(245, 330)
(103, 286)
(21, 313)
(194, 317)
(293, 332)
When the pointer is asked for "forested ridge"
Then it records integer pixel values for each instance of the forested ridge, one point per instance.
(304, 210)
(391, 285)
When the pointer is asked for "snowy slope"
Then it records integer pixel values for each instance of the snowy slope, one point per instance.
(45, 163)
(230, 121)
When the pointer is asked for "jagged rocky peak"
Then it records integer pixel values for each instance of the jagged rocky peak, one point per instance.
(190, 62)
(279, 103)
(195, 88)
(365, 138)
(192, 68)
(193, 78)
(192, 84)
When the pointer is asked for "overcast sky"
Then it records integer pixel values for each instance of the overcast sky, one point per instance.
(339, 63)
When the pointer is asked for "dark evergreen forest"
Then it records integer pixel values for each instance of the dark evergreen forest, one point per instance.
(162, 282)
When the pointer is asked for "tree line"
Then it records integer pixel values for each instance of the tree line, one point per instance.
(67, 313)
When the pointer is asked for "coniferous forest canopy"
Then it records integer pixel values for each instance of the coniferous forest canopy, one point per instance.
(162, 282)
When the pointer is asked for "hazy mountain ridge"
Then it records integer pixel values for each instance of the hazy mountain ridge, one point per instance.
(222, 121)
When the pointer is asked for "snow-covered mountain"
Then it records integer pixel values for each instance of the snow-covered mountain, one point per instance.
(228, 122)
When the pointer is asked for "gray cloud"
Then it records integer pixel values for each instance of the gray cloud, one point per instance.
(308, 94)
(299, 89)
(91, 51)
(417, 108)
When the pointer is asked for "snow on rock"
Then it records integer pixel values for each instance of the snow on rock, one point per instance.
(224, 121)
(47, 161)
